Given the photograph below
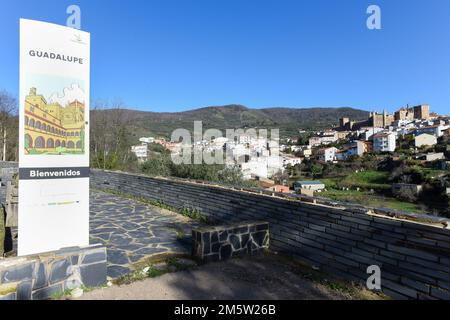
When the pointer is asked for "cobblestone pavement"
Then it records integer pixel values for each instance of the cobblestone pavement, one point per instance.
(132, 230)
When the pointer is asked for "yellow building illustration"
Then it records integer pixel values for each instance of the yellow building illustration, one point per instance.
(53, 129)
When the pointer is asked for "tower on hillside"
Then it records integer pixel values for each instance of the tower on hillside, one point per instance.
(422, 112)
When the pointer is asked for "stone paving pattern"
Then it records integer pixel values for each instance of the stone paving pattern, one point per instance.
(132, 230)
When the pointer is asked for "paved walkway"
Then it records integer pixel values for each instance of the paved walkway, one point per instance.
(132, 230)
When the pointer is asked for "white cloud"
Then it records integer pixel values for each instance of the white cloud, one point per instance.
(70, 94)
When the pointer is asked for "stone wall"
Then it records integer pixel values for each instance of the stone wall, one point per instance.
(414, 257)
(227, 241)
(41, 276)
(9, 164)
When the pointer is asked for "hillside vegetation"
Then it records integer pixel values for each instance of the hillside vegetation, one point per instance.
(288, 120)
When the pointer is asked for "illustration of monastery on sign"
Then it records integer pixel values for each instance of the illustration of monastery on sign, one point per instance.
(52, 128)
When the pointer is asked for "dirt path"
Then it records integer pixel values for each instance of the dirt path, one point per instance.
(264, 277)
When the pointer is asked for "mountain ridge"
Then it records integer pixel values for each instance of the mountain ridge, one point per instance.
(287, 119)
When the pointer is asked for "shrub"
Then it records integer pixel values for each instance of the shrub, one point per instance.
(157, 165)
(434, 195)
(407, 195)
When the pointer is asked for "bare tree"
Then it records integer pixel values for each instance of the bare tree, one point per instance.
(110, 135)
(8, 126)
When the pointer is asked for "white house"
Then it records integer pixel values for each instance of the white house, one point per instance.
(425, 139)
(436, 130)
(306, 153)
(384, 142)
(147, 140)
(254, 167)
(368, 133)
(309, 185)
(358, 148)
(328, 154)
(141, 152)
(324, 138)
(295, 148)
(431, 156)
(290, 160)
(274, 164)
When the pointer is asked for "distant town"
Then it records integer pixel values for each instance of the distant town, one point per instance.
(413, 139)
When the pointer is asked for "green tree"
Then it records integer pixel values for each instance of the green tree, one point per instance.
(316, 170)
(157, 165)
(231, 175)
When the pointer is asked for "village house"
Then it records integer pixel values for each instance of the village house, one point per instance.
(341, 155)
(313, 185)
(340, 135)
(141, 152)
(254, 168)
(425, 140)
(264, 182)
(399, 189)
(147, 140)
(291, 160)
(431, 156)
(384, 142)
(307, 152)
(327, 154)
(358, 148)
(367, 133)
(303, 151)
(323, 138)
(279, 188)
(436, 130)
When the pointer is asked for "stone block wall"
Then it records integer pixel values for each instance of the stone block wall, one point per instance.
(9, 164)
(414, 257)
(224, 242)
(39, 277)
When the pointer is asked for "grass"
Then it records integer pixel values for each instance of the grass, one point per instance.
(153, 269)
(193, 214)
(180, 235)
(154, 272)
(68, 292)
(36, 152)
(61, 294)
(371, 200)
(432, 173)
(175, 264)
(6, 289)
(366, 180)
(348, 289)
(376, 180)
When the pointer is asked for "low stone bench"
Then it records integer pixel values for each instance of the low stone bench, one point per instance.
(226, 241)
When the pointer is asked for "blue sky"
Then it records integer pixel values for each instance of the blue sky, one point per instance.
(172, 55)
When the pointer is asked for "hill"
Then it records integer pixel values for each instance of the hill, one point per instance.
(288, 120)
